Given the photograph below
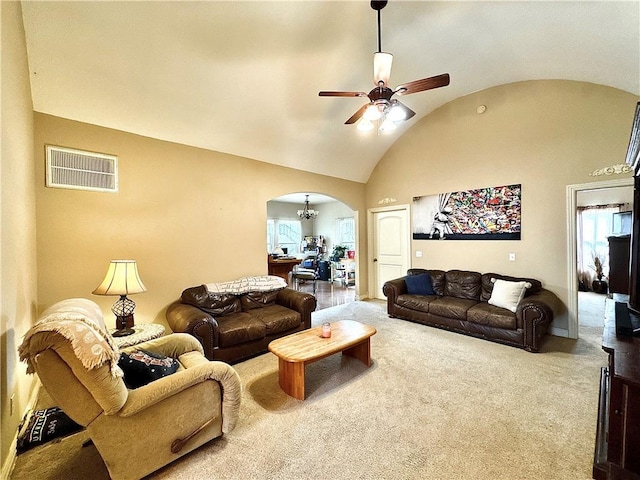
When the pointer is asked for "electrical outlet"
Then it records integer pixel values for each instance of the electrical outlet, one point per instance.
(11, 399)
(418, 253)
(512, 257)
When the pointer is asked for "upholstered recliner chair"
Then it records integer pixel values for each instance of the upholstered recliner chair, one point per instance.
(135, 431)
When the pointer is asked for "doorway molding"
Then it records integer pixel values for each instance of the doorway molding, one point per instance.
(572, 244)
(370, 240)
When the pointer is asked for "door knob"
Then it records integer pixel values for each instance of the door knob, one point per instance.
(375, 259)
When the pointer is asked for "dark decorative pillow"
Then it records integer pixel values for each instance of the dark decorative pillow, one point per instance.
(419, 284)
(44, 426)
(141, 367)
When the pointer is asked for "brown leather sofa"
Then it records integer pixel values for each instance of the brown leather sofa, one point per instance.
(460, 304)
(233, 327)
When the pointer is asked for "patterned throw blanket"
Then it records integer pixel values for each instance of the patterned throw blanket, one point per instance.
(79, 320)
(264, 283)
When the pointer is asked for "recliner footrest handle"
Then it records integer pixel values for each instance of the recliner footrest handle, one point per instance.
(179, 443)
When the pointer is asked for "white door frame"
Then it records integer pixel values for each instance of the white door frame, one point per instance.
(572, 244)
(370, 240)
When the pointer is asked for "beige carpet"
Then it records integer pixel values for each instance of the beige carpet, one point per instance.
(591, 308)
(434, 405)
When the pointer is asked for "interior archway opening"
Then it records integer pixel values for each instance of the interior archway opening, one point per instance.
(320, 238)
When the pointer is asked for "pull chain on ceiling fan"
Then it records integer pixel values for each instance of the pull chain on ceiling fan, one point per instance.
(381, 107)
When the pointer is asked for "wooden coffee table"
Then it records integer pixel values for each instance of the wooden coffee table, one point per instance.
(297, 350)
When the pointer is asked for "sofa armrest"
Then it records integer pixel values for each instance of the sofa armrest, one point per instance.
(392, 289)
(172, 345)
(156, 391)
(303, 303)
(183, 318)
(534, 315)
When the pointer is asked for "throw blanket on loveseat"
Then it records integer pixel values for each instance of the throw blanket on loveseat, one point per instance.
(264, 283)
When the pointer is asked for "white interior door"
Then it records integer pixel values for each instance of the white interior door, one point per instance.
(391, 243)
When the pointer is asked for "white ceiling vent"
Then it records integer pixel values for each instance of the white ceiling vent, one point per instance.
(79, 170)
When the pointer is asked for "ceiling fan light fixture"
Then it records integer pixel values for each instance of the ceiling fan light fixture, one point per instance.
(397, 113)
(372, 113)
(365, 125)
(382, 68)
(387, 126)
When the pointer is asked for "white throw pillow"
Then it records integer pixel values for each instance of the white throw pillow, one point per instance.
(508, 294)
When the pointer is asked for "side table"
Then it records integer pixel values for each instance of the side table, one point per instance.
(142, 333)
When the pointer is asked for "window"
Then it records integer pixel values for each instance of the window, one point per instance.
(284, 234)
(594, 226)
(346, 232)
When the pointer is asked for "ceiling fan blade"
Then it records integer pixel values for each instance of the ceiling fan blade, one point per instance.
(424, 84)
(356, 116)
(342, 94)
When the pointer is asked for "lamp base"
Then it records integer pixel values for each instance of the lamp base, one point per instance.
(124, 322)
(125, 332)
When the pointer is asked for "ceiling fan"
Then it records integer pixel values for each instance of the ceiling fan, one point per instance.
(381, 107)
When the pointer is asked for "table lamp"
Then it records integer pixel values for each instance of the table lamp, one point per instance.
(122, 279)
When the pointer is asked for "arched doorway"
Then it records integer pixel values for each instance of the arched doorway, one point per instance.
(312, 242)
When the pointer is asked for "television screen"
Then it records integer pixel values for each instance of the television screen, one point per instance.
(621, 223)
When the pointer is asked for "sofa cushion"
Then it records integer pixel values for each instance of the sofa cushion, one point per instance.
(416, 302)
(277, 318)
(216, 304)
(252, 300)
(238, 328)
(451, 307)
(487, 284)
(484, 314)
(508, 294)
(463, 284)
(419, 284)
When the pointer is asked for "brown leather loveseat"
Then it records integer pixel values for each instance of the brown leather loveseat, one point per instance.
(235, 326)
(465, 302)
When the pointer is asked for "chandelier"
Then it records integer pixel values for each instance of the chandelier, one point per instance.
(307, 213)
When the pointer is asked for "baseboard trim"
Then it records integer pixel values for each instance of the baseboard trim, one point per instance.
(559, 332)
(10, 461)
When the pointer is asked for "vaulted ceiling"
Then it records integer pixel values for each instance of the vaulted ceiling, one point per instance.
(243, 77)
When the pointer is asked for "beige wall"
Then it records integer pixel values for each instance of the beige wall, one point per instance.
(188, 216)
(543, 134)
(18, 223)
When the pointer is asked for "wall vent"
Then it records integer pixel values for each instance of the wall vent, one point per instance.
(79, 170)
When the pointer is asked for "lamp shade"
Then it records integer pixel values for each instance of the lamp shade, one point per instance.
(122, 279)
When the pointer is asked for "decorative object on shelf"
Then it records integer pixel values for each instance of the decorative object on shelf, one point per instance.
(122, 279)
(384, 110)
(387, 200)
(307, 213)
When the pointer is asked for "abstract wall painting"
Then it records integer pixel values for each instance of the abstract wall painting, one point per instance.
(492, 213)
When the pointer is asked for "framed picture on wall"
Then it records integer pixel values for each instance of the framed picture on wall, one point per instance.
(491, 213)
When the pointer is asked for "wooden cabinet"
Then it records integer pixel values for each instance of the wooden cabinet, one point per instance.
(619, 264)
(617, 453)
(281, 267)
